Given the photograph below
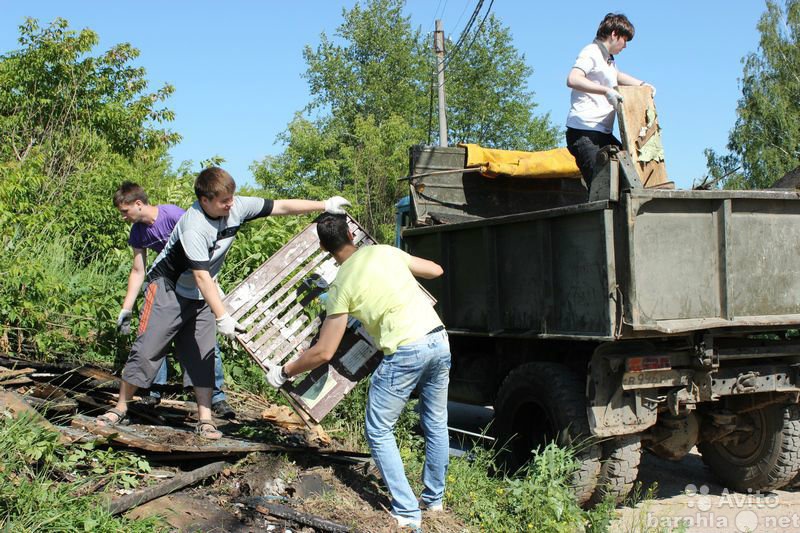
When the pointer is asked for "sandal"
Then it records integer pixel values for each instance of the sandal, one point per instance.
(207, 430)
(106, 420)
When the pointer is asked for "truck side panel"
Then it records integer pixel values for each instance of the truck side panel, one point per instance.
(538, 274)
(711, 259)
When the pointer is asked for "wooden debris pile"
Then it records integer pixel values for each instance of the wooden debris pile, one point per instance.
(67, 398)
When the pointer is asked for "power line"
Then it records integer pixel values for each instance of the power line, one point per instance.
(464, 33)
(478, 31)
(456, 49)
(436, 12)
(461, 16)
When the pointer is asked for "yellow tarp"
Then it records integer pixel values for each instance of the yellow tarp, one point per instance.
(557, 163)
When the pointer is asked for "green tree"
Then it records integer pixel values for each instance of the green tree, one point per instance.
(488, 101)
(58, 99)
(765, 140)
(73, 125)
(370, 101)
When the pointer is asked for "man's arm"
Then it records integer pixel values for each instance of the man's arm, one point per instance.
(423, 268)
(330, 336)
(334, 204)
(208, 288)
(627, 79)
(296, 207)
(577, 80)
(135, 279)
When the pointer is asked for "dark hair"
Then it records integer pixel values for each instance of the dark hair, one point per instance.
(213, 181)
(615, 23)
(128, 193)
(333, 232)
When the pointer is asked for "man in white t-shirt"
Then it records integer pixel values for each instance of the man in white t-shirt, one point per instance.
(594, 99)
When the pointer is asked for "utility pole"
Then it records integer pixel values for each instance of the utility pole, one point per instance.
(438, 47)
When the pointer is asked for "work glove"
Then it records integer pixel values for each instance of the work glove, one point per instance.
(227, 326)
(335, 205)
(613, 97)
(645, 84)
(124, 322)
(276, 377)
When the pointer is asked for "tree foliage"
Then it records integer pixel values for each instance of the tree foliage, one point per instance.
(73, 125)
(370, 91)
(55, 94)
(488, 100)
(765, 140)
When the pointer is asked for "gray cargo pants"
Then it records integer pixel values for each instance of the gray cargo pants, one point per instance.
(167, 316)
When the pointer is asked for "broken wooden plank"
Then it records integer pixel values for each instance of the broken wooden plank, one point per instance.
(55, 405)
(163, 439)
(287, 513)
(17, 405)
(120, 505)
(7, 373)
(186, 512)
(640, 131)
(22, 380)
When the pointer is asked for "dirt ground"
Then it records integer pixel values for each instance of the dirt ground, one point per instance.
(688, 494)
(686, 497)
(346, 494)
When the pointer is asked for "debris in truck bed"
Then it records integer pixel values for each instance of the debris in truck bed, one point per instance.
(641, 136)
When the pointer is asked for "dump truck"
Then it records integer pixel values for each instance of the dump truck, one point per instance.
(618, 319)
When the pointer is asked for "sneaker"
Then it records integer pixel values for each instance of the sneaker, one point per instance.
(432, 507)
(221, 409)
(150, 401)
(408, 524)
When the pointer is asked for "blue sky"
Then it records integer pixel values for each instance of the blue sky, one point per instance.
(237, 65)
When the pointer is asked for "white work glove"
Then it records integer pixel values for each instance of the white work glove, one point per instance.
(613, 97)
(276, 376)
(335, 205)
(228, 326)
(645, 84)
(124, 322)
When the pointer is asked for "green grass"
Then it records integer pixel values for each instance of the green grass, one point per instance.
(46, 486)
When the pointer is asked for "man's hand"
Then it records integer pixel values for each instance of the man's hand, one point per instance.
(276, 376)
(228, 326)
(335, 205)
(613, 97)
(124, 322)
(645, 84)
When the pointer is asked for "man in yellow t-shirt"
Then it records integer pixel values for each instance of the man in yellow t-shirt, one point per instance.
(376, 284)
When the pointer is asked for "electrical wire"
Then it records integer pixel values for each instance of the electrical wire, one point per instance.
(437, 69)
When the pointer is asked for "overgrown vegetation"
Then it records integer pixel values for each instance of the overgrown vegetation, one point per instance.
(371, 85)
(46, 486)
(764, 143)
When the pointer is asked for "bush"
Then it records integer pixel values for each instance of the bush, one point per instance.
(538, 498)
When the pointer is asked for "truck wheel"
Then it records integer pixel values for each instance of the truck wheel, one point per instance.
(619, 468)
(764, 456)
(542, 402)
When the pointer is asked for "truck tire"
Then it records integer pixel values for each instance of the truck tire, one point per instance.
(542, 402)
(766, 458)
(619, 468)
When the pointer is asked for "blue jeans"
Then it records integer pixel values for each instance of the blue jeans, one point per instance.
(423, 364)
(219, 380)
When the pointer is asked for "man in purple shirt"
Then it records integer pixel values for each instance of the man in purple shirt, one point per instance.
(150, 230)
